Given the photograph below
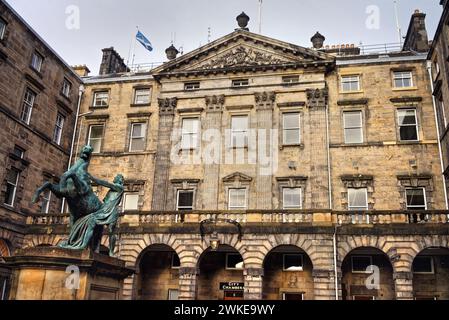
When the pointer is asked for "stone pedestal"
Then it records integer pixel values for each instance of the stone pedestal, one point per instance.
(50, 273)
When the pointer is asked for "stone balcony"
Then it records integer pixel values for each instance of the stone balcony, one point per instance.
(262, 217)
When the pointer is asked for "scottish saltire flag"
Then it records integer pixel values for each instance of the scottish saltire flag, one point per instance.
(144, 41)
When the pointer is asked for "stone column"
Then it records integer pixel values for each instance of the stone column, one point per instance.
(128, 288)
(264, 184)
(324, 284)
(162, 166)
(403, 284)
(318, 141)
(253, 283)
(213, 121)
(187, 283)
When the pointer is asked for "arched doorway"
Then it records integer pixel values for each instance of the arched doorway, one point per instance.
(367, 275)
(220, 274)
(158, 274)
(431, 274)
(5, 273)
(288, 275)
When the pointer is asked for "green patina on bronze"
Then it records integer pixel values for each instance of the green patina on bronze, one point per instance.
(88, 215)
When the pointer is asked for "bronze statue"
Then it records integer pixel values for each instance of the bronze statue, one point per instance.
(88, 215)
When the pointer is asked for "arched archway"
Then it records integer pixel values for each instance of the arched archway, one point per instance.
(157, 274)
(5, 273)
(367, 274)
(220, 274)
(431, 274)
(288, 274)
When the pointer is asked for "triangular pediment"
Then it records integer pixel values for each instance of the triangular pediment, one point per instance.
(237, 176)
(243, 50)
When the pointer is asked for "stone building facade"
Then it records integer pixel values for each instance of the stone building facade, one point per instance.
(259, 169)
(38, 103)
(439, 66)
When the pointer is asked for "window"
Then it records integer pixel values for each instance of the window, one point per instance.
(240, 83)
(408, 125)
(357, 199)
(131, 202)
(239, 131)
(27, 107)
(142, 96)
(57, 134)
(293, 262)
(402, 79)
(2, 28)
(101, 99)
(353, 126)
(185, 200)
(234, 261)
(138, 134)
(189, 86)
(173, 294)
(19, 152)
(290, 79)
(175, 262)
(237, 199)
(96, 137)
(190, 133)
(360, 264)
(442, 112)
(12, 180)
(66, 88)
(423, 265)
(292, 198)
(291, 129)
(416, 199)
(46, 198)
(36, 61)
(350, 83)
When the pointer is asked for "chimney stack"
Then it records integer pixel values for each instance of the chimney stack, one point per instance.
(81, 70)
(112, 62)
(416, 38)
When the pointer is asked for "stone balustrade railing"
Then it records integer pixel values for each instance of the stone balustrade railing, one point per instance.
(261, 217)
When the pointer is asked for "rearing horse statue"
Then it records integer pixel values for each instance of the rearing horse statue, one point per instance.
(75, 186)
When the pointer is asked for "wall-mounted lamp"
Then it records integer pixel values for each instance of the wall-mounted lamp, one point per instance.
(214, 240)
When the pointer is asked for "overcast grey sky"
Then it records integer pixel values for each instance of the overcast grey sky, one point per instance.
(106, 23)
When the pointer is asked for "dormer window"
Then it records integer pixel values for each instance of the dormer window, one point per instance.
(240, 83)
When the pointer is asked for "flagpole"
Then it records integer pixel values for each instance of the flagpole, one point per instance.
(134, 46)
(260, 16)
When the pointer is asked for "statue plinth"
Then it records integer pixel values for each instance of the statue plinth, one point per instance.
(52, 273)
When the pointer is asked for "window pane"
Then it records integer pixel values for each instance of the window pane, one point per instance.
(137, 144)
(101, 99)
(354, 135)
(423, 264)
(131, 202)
(360, 264)
(240, 123)
(291, 120)
(11, 186)
(408, 133)
(415, 199)
(234, 261)
(138, 130)
(96, 132)
(292, 198)
(292, 136)
(237, 198)
(173, 294)
(142, 96)
(293, 262)
(2, 28)
(357, 199)
(353, 119)
(46, 202)
(407, 117)
(185, 200)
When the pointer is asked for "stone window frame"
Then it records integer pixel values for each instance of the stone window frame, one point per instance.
(238, 112)
(135, 187)
(185, 185)
(418, 113)
(91, 124)
(3, 32)
(291, 182)
(359, 75)
(415, 181)
(360, 107)
(199, 133)
(237, 180)
(282, 112)
(95, 92)
(137, 119)
(21, 165)
(177, 126)
(38, 54)
(142, 87)
(357, 182)
(412, 71)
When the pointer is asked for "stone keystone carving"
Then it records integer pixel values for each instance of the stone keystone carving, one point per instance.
(317, 97)
(215, 103)
(167, 106)
(242, 56)
(265, 97)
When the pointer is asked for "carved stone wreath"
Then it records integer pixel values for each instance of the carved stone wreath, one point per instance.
(242, 56)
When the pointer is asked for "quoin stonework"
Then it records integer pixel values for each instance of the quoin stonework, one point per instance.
(255, 168)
